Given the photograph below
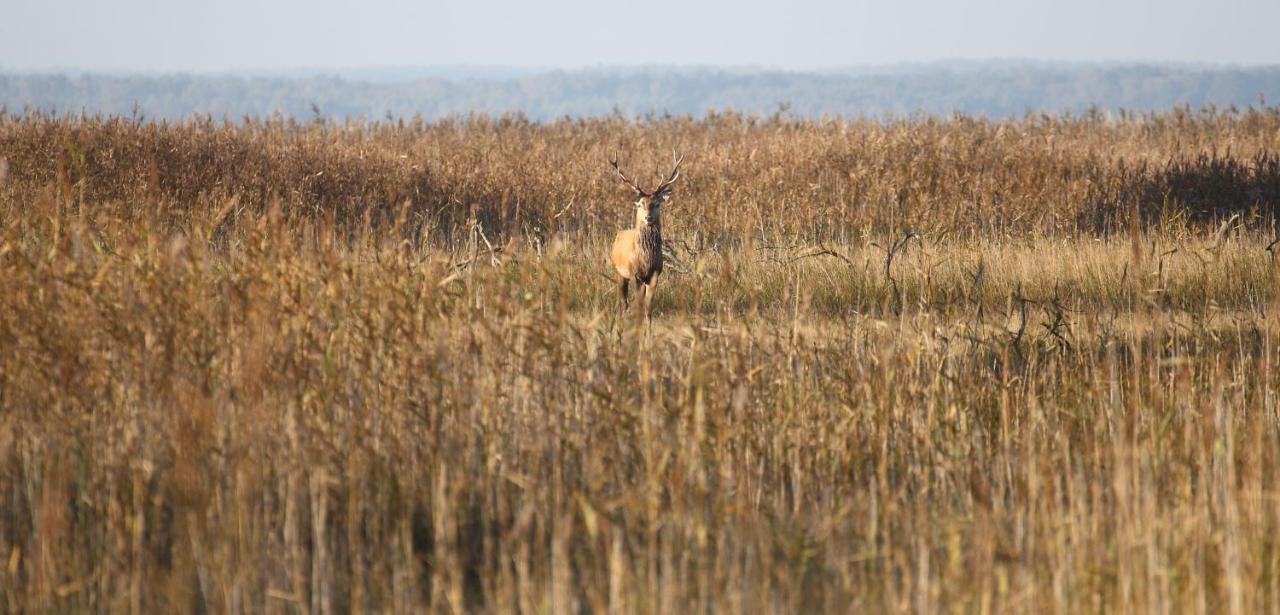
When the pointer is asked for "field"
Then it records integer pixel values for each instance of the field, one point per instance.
(913, 365)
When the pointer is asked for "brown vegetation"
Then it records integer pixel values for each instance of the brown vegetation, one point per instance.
(920, 365)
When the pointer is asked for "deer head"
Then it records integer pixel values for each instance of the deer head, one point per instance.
(648, 203)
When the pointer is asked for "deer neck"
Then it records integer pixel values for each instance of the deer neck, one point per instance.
(649, 233)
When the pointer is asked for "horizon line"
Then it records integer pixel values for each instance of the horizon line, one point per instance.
(519, 71)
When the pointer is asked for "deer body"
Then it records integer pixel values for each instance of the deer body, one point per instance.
(637, 251)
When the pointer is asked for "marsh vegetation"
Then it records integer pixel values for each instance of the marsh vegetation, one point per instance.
(930, 364)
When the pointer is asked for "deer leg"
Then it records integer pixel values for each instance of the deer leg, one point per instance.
(648, 296)
(625, 287)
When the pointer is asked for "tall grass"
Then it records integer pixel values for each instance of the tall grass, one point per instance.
(767, 178)
(918, 365)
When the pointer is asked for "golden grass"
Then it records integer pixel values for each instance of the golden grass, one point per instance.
(216, 398)
(769, 178)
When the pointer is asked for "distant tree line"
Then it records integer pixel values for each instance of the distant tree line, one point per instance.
(992, 89)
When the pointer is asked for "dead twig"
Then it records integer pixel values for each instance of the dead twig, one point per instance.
(896, 246)
(821, 250)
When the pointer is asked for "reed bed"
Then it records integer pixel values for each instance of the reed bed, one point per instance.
(915, 365)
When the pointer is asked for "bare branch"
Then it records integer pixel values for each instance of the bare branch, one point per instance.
(895, 246)
(821, 250)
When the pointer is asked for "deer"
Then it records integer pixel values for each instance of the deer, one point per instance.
(637, 251)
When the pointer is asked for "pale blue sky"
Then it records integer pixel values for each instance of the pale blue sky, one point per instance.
(177, 35)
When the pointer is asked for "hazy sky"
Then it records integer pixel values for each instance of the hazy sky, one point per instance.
(169, 35)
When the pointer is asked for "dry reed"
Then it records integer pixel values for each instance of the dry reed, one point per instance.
(917, 365)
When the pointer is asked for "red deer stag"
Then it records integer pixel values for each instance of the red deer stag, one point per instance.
(637, 252)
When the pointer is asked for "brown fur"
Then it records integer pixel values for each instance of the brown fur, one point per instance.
(637, 256)
(636, 260)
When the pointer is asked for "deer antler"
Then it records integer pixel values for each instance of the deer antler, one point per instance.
(675, 174)
(614, 161)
